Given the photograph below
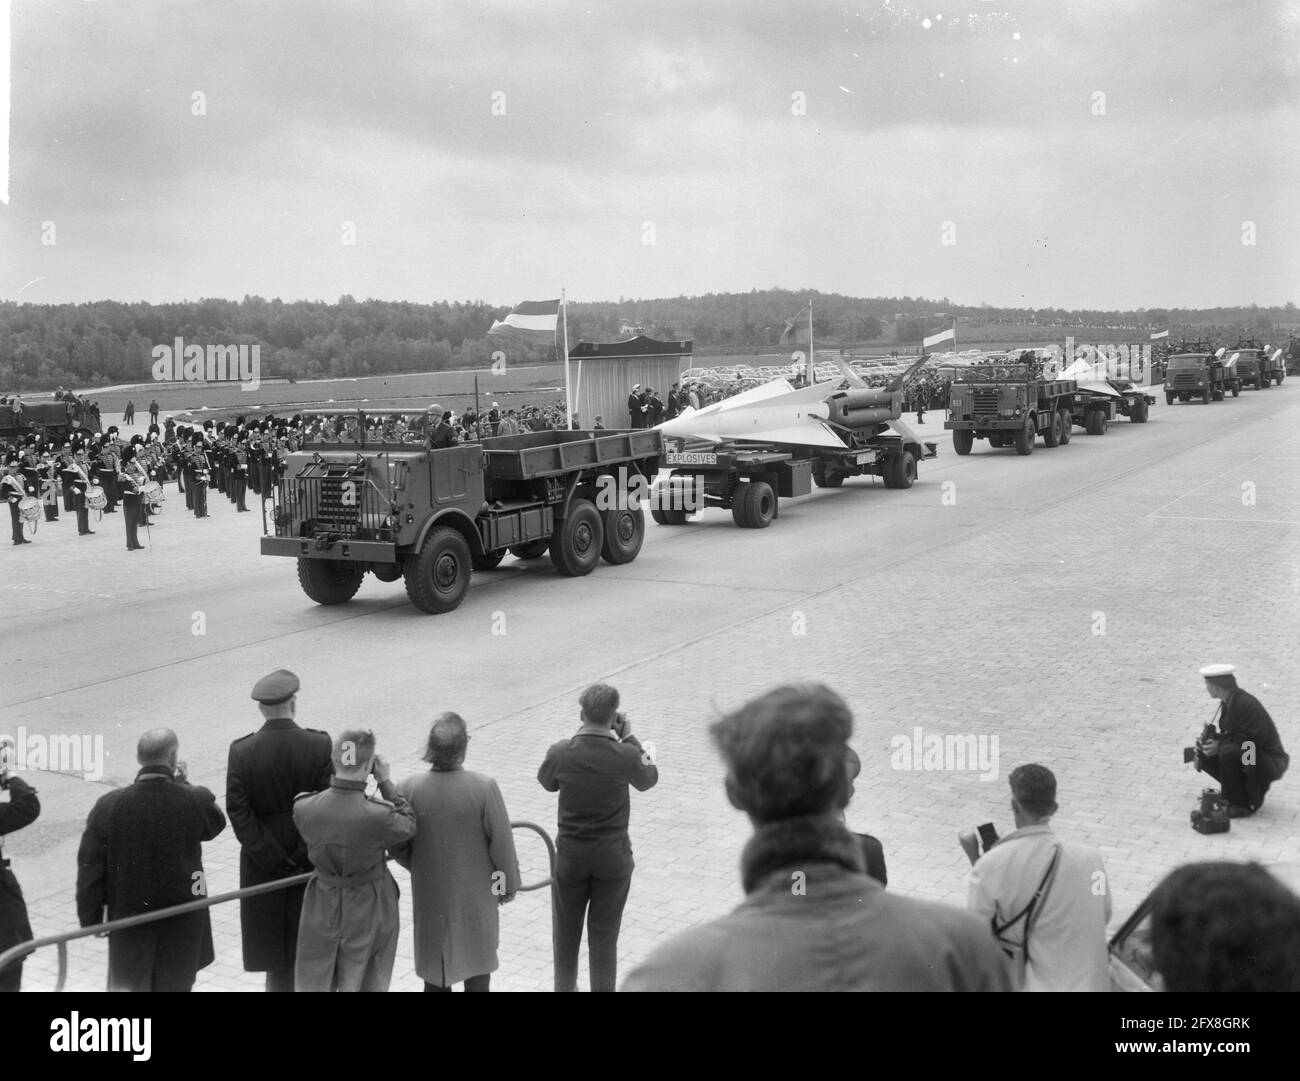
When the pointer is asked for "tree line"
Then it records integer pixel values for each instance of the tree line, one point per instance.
(103, 342)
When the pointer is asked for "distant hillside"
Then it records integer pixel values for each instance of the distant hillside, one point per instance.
(105, 342)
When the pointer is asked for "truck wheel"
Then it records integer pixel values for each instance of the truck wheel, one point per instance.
(753, 505)
(624, 533)
(900, 470)
(386, 572)
(1236, 389)
(330, 581)
(1067, 426)
(1169, 399)
(575, 548)
(489, 561)
(1138, 414)
(532, 550)
(437, 578)
(1207, 395)
(1052, 433)
(962, 440)
(827, 480)
(1090, 423)
(1025, 438)
(1261, 383)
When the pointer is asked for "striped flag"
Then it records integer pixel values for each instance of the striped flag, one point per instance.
(531, 323)
(949, 335)
(1160, 334)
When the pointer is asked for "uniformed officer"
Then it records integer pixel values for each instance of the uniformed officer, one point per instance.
(13, 488)
(78, 477)
(266, 770)
(347, 939)
(443, 435)
(132, 480)
(198, 477)
(1245, 755)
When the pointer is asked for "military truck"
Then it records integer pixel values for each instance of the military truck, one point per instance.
(1200, 375)
(53, 420)
(1256, 365)
(349, 503)
(1011, 403)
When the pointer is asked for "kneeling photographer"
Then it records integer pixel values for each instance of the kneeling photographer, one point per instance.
(21, 809)
(1244, 753)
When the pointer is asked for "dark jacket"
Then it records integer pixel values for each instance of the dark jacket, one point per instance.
(141, 852)
(812, 920)
(21, 809)
(264, 773)
(1241, 718)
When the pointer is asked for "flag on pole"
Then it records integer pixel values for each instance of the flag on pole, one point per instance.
(949, 335)
(796, 333)
(531, 323)
(1160, 334)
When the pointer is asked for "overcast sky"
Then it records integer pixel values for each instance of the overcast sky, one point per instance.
(1087, 154)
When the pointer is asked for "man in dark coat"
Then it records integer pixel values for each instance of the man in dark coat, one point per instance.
(1246, 756)
(266, 771)
(636, 408)
(141, 852)
(812, 920)
(21, 809)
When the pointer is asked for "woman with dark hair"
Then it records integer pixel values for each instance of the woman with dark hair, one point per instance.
(462, 862)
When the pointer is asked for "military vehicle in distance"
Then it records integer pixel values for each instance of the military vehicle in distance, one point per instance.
(1010, 403)
(1200, 375)
(1257, 366)
(350, 502)
(51, 420)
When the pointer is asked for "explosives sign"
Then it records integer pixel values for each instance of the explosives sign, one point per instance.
(683, 457)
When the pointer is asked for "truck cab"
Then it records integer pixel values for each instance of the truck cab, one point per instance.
(1199, 375)
(1009, 403)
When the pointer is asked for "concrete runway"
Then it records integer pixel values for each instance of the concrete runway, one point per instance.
(1061, 602)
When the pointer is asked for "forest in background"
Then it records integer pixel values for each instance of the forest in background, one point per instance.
(104, 342)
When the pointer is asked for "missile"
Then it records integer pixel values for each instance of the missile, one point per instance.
(772, 413)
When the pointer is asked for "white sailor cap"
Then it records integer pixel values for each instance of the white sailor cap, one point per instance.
(1211, 670)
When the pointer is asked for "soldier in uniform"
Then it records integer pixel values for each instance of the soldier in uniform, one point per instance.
(49, 487)
(107, 469)
(239, 471)
(266, 770)
(65, 464)
(198, 475)
(443, 434)
(132, 480)
(21, 809)
(347, 939)
(77, 475)
(14, 487)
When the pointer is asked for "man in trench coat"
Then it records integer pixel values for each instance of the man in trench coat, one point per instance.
(347, 939)
(462, 862)
(266, 770)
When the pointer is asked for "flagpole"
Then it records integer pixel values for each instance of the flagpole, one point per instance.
(568, 396)
(812, 368)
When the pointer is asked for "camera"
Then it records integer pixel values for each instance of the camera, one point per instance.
(1212, 815)
(1208, 734)
(978, 841)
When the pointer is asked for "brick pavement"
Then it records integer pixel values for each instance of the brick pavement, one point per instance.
(1062, 605)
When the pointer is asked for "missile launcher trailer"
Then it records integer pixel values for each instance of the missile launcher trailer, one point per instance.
(1012, 404)
(398, 510)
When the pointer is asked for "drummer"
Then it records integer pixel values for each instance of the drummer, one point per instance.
(13, 488)
(78, 475)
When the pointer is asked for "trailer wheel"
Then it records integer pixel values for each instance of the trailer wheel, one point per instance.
(1140, 410)
(1052, 433)
(962, 440)
(900, 470)
(1025, 438)
(826, 480)
(1067, 425)
(1236, 388)
(437, 578)
(753, 505)
(489, 561)
(330, 581)
(575, 547)
(532, 550)
(624, 534)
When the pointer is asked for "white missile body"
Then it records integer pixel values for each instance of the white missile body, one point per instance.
(774, 413)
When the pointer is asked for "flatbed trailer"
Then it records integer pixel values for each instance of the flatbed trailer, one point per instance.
(400, 510)
(751, 478)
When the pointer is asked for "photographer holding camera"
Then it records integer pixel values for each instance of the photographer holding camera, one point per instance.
(347, 937)
(1244, 753)
(21, 809)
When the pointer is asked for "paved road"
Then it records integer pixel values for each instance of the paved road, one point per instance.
(1059, 603)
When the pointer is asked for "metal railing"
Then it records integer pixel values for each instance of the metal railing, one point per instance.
(60, 941)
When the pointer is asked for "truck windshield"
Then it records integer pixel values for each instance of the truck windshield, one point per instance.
(354, 429)
(994, 373)
(1192, 361)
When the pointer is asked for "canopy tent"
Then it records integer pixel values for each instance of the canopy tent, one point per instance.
(604, 373)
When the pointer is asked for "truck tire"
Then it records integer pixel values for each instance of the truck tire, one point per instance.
(753, 505)
(489, 561)
(1025, 438)
(386, 572)
(575, 547)
(532, 550)
(962, 440)
(1138, 414)
(1206, 395)
(1052, 433)
(1169, 399)
(1067, 426)
(330, 581)
(1236, 388)
(1261, 383)
(624, 534)
(827, 480)
(438, 577)
(900, 470)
